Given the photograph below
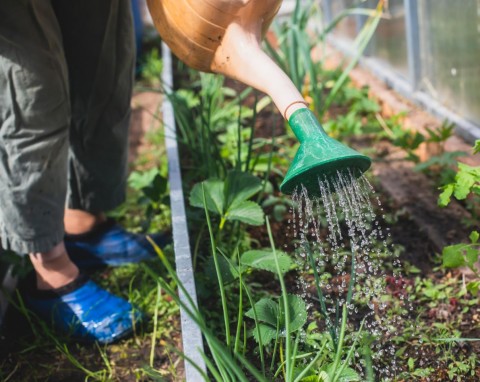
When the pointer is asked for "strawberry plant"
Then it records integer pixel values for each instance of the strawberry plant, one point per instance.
(229, 198)
(465, 184)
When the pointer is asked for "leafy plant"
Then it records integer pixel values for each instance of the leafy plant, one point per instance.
(295, 44)
(408, 140)
(271, 320)
(215, 127)
(467, 181)
(360, 119)
(441, 134)
(229, 199)
(147, 205)
(200, 116)
(459, 255)
(266, 260)
(278, 320)
(346, 125)
(151, 183)
(457, 369)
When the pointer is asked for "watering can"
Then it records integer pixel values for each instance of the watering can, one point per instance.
(224, 36)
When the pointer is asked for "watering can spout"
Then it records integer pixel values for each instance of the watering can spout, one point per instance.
(319, 156)
(224, 36)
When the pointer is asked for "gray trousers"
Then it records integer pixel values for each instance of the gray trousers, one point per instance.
(66, 76)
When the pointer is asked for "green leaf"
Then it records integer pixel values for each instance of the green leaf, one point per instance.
(473, 287)
(140, 179)
(213, 195)
(267, 311)
(476, 148)
(464, 182)
(152, 374)
(267, 332)
(422, 372)
(229, 198)
(446, 195)
(411, 364)
(279, 212)
(240, 186)
(188, 97)
(452, 255)
(246, 212)
(265, 260)
(474, 237)
(322, 377)
(298, 312)
(150, 182)
(348, 375)
(471, 256)
(156, 189)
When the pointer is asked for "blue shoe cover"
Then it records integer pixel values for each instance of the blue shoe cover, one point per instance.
(110, 244)
(85, 311)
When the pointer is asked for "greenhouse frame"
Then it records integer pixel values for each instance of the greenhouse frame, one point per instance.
(434, 64)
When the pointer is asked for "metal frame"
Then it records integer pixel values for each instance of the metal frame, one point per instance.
(410, 88)
(191, 335)
(413, 43)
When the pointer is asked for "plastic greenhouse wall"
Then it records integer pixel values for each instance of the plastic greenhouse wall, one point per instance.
(428, 50)
(450, 36)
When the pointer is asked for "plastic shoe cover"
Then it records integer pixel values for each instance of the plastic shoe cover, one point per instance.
(85, 311)
(110, 244)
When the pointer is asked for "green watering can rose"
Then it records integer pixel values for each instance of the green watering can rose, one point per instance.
(318, 156)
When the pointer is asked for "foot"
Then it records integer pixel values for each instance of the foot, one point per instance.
(53, 268)
(85, 311)
(109, 244)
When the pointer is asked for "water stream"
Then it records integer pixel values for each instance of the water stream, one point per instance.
(341, 249)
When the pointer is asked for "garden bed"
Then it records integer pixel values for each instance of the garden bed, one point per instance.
(436, 323)
(423, 322)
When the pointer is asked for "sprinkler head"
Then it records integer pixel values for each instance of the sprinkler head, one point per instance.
(318, 156)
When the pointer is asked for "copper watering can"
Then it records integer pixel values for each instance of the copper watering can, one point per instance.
(224, 36)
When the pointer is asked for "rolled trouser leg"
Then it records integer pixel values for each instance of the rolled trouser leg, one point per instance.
(99, 47)
(34, 122)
